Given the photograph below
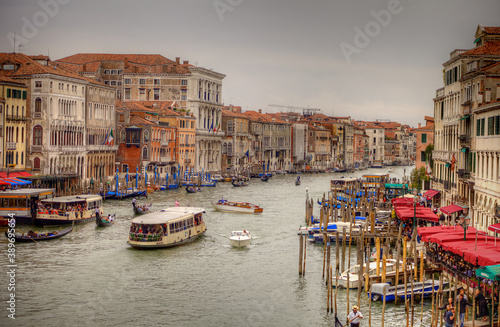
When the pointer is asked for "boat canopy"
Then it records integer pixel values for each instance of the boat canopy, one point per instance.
(489, 272)
(73, 198)
(396, 186)
(165, 215)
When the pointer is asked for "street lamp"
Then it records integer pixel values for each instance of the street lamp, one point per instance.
(464, 221)
(414, 209)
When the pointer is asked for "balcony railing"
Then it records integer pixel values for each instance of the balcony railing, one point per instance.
(11, 145)
(15, 118)
(36, 148)
(463, 173)
(163, 143)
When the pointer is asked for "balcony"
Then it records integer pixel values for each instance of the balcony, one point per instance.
(11, 145)
(464, 139)
(165, 159)
(101, 147)
(36, 148)
(187, 161)
(15, 118)
(463, 174)
(163, 143)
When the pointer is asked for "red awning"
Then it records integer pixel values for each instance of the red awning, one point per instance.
(482, 256)
(430, 194)
(494, 228)
(3, 174)
(402, 201)
(448, 210)
(420, 213)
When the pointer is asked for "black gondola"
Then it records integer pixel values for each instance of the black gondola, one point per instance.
(141, 210)
(264, 178)
(297, 182)
(192, 189)
(239, 184)
(104, 222)
(35, 237)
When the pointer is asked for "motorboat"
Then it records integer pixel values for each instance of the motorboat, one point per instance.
(240, 238)
(379, 289)
(232, 206)
(354, 271)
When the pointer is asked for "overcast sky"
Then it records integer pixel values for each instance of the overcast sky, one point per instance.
(288, 52)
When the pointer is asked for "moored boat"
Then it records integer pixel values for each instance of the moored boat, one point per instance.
(166, 228)
(69, 209)
(192, 189)
(379, 289)
(354, 271)
(240, 238)
(231, 206)
(264, 178)
(35, 237)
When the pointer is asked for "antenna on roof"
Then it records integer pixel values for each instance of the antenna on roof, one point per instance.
(20, 47)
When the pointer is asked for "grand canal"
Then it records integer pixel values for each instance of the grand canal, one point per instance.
(93, 278)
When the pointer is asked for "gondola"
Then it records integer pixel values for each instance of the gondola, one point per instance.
(297, 183)
(104, 222)
(264, 178)
(192, 189)
(142, 209)
(40, 236)
(239, 184)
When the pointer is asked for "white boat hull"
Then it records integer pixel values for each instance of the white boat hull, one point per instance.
(239, 243)
(232, 208)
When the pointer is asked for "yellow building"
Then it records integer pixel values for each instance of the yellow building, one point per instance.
(13, 96)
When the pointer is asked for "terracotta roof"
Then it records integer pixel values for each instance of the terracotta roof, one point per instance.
(492, 29)
(230, 114)
(143, 59)
(429, 127)
(2, 99)
(11, 80)
(30, 67)
(255, 116)
(137, 120)
(40, 57)
(489, 48)
(135, 63)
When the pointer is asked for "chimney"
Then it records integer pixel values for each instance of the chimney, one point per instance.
(125, 63)
(84, 68)
(260, 111)
(419, 125)
(178, 60)
(185, 62)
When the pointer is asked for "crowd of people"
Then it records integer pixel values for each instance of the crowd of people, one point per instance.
(77, 208)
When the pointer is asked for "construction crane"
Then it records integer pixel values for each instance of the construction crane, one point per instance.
(306, 111)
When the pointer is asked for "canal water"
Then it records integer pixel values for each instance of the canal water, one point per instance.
(91, 277)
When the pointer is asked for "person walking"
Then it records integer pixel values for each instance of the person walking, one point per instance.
(482, 305)
(462, 305)
(355, 317)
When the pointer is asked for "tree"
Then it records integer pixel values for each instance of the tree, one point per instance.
(428, 155)
(416, 178)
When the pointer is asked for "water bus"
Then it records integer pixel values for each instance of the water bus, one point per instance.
(341, 183)
(375, 180)
(167, 228)
(22, 203)
(69, 209)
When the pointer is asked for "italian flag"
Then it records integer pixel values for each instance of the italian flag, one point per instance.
(111, 140)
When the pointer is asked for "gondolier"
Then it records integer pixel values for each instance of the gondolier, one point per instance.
(355, 317)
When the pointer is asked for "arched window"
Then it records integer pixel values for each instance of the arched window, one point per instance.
(17, 134)
(38, 105)
(22, 158)
(229, 149)
(36, 163)
(146, 136)
(145, 153)
(37, 135)
(229, 127)
(122, 136)
(17, 158)
(224, 148)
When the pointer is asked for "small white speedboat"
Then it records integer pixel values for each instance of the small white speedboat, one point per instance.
(240, 238)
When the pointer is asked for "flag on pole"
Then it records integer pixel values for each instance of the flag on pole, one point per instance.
(453, 161)
(212, 126)
(110, 139)
(105, 140)
(428, 170)
(218, 125)
(247, 154)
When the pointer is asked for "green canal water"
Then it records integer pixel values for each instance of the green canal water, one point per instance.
(92, 277)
